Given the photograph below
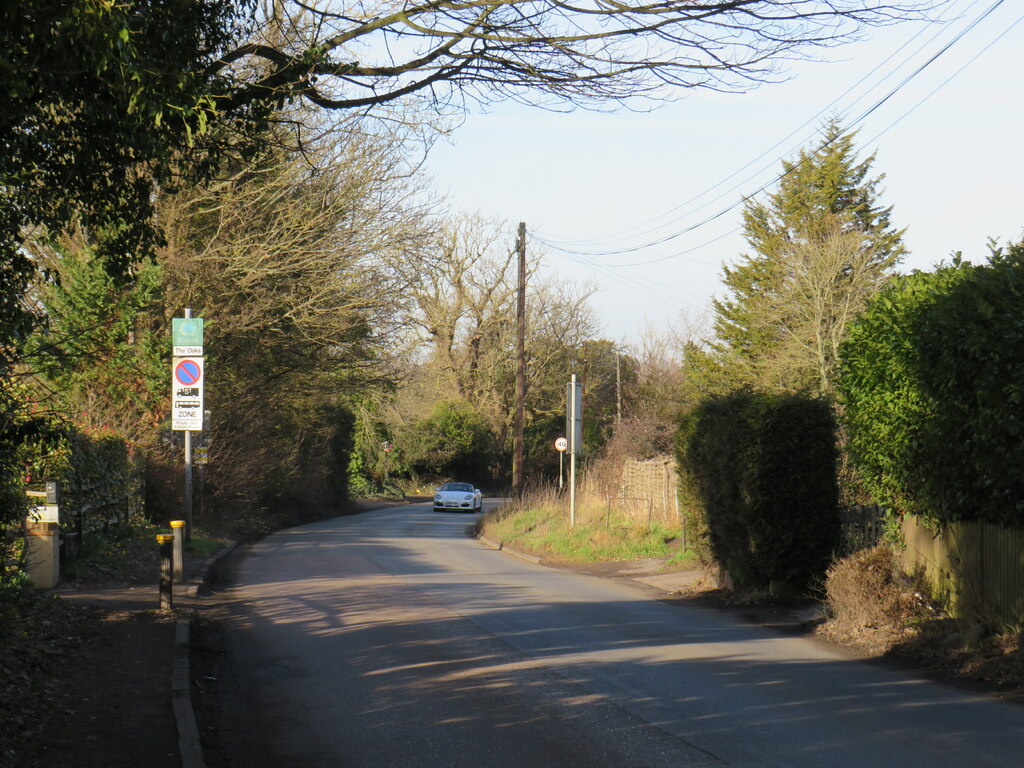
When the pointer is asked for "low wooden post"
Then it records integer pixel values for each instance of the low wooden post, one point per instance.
(166, 541)
(178, 529)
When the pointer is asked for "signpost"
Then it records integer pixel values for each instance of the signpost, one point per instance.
(187, 394)
(574, 430)
(561, 445)
(187, 389)
(187, 335)
(387, 446)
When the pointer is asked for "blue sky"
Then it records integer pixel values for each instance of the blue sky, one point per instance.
(948, 140)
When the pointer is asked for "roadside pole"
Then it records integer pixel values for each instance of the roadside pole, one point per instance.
(187, 384)
(518, 450)
(574, 434)
(188, 485)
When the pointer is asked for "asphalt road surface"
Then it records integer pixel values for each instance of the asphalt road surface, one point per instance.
(394, 639)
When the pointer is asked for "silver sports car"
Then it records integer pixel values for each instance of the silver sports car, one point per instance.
(458, 496)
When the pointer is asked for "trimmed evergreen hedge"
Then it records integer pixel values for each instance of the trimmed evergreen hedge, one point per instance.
(764, 469)
(932, 380)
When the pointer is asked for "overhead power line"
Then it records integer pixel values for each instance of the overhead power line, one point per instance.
(588, 254)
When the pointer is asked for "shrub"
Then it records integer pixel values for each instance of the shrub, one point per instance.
(870, 602)
(863, 590)
(932, 381)
(764, 469)
(454, 441)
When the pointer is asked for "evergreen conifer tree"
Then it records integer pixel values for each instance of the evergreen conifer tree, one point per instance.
(819, 246)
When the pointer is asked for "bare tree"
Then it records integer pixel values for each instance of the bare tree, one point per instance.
(354, 55)
(463, 292)
(462, 288)
(286, 260)
(829, 280)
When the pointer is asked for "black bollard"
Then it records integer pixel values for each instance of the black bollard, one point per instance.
(166, 541)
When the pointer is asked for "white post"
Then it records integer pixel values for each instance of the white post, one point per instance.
(572, 453)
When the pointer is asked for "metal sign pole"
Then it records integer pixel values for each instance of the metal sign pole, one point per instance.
(572, 452)
(188, 471)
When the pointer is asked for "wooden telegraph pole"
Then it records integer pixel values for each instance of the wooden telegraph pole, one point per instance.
(518, 453)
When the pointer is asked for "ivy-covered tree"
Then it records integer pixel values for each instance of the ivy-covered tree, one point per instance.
(102, 356)
(820, 245)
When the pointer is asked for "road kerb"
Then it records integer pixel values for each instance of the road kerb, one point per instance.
(190, 748)
(500, 546)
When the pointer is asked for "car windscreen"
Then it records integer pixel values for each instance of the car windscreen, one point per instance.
(456, 487)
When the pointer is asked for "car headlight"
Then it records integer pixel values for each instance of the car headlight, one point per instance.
(437, 498)
(469, 496)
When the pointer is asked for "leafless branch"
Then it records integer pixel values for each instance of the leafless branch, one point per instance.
(346, 55)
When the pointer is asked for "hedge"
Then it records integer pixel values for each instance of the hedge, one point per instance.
(932, 381)
(764, 469)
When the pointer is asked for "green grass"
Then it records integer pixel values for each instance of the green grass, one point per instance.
(121, 553)
(545, 530)
(127, 552)
(203, 546)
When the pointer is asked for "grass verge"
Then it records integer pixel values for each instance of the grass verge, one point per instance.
(127, 552)
(542, 527)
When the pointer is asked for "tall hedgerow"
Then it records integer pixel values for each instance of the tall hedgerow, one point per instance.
(763, 467)
(932, 382)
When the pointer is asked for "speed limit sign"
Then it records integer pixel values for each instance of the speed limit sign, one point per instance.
(561, 444)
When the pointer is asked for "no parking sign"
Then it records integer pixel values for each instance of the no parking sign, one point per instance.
(187, 394)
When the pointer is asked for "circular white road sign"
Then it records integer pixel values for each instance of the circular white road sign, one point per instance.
(561, 444)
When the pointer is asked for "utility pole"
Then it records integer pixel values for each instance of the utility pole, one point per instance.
(518, 439)
(618, 387)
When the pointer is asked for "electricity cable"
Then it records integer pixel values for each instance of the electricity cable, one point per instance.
(650, 223)
(863, 116)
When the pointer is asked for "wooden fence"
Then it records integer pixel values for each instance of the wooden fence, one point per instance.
(977, 569)
(648, 490)
(860, 528)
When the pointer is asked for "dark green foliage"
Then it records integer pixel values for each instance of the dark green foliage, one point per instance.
(932, 382)
(885, 405)
(101, 351)
(763, 468)
(342, 443)
(454, 441)
(98, 103)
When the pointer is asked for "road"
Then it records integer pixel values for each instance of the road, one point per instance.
(393, 638)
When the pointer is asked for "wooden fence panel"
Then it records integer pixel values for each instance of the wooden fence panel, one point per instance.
(860, 528)
(976, 569)
(648, 490)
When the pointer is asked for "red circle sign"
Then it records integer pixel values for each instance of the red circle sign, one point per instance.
(188, 372)
(561, 444)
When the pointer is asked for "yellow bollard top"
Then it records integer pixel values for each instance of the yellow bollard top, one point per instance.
(163, 538)
(177, 523)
